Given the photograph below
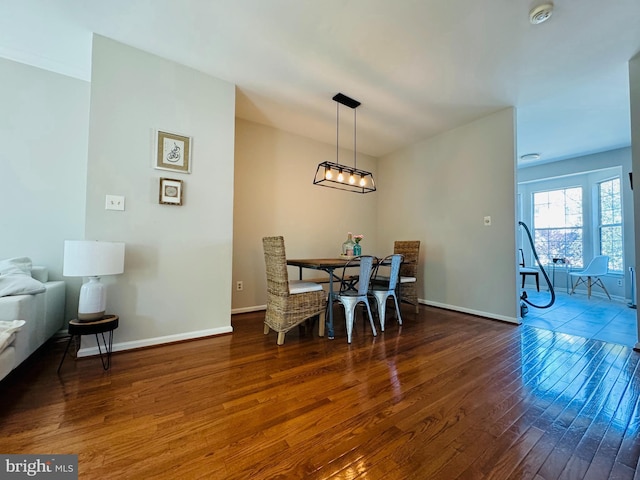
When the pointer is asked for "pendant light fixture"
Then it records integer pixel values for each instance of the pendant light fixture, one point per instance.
(344, 177)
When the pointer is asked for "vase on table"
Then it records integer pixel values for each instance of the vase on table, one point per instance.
(357, 249)
(348, 245)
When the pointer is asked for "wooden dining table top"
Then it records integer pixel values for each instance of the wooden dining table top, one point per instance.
(318, 262)
(325, 263)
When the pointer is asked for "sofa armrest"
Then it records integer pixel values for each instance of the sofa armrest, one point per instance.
(29, 308)
(54, 307)
(43, 312)
(17, 307)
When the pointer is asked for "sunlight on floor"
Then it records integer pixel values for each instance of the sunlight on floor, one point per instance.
(598, 317)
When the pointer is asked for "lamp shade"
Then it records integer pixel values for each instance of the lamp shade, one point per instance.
(91, 258)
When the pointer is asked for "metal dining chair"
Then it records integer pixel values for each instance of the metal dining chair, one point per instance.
(351, 295)
(385, 286)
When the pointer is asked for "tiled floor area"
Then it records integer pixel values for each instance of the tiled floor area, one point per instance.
(597, 317)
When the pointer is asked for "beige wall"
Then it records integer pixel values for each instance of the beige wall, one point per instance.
(177, 280)
(438, 191)
(634, 87)
(274, 195)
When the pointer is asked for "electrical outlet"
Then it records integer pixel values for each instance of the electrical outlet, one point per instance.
(239, 286)
(619, 282)
(487, 221)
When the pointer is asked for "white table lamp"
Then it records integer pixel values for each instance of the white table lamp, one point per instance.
(92, 259)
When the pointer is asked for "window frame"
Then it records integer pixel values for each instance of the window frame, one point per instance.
(599, 223)
(565, 228)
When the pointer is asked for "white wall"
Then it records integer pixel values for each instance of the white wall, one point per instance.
(438, 191)
(634, 92)
(274, 195)
(44, 136)
(177, 280)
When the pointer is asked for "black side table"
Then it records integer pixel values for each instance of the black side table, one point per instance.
(108, 323)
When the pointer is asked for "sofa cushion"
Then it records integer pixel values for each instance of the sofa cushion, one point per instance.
(300, 286)
(15, 278)
(40, 273)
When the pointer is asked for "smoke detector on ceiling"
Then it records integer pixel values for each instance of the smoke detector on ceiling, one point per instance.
(541, 13)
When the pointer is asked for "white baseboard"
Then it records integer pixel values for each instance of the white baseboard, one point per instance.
(149, 342)
(479, 313)
(493, 316)
(257, 308)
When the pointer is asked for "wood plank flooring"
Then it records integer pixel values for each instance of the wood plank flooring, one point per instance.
(445, 396)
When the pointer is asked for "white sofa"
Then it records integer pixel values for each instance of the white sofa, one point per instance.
(42, 312)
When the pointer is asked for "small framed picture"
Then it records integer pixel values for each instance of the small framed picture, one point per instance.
(173, 152)
(170, 191)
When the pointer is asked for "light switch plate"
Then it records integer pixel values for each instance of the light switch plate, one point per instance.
(114, 202)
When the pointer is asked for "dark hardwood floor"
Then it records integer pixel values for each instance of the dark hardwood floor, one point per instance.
(445, 396)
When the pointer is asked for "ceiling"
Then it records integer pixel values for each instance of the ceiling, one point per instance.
(419, 67)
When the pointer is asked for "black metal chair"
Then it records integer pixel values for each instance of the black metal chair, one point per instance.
(524, 271)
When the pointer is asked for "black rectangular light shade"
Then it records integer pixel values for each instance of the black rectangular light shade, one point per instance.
(343, 177)
(327, 176)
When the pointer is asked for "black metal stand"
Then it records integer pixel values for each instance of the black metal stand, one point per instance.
(105, 325)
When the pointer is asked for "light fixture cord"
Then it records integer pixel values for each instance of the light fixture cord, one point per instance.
(355, 161)
(337, 132)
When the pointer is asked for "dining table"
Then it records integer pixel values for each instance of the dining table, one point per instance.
(328, 265)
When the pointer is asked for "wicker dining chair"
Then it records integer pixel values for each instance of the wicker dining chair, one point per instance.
(410, 250)
(289, 302)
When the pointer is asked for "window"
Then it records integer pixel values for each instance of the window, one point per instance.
(558, 227)
(610, 223)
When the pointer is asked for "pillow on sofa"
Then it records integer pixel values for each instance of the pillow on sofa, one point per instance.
(15, 278)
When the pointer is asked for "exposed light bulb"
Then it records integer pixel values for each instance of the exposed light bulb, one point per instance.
(352, 179)
(327, 174)
(340, 176)
(363, 182)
